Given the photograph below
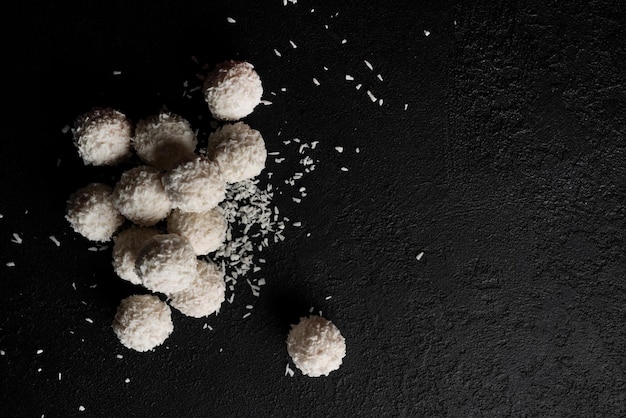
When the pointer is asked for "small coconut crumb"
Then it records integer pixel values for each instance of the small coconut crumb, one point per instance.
(328, 297)
(278, 54)
(367, 63)
(317, 83)
(357, 150)
(371, 96)
(246, 315)
(60, 376)
(288, 371)
(380, 77)
(297, 224)
(358, 86)
(406, 106)
(426, 33)
(117, 72)
(16, 238)
(344, 169)
(419, 256)
(339, 149)
(81, 408)
(293, 45)
(119, 356)
(89, 320)
(127, 380)
(39, 351)
(10, 264)
(380, 102)
(349, 77)
(231, 20)
(344, 41)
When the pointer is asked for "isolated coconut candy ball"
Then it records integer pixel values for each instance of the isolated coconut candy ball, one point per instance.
(195, 186)
(103, 136)
(91, 213)
(316, 346)
(166, 263)
(239, 151)
(164, 140)
(126, 248)
(205, 295)
(140, 196)
(206, 231)
(232, 90)
(143, 322)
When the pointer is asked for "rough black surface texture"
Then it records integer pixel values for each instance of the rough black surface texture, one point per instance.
(499, 152)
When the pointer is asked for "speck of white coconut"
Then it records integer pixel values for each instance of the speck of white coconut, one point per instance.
(16, 238)
(380, 102)
(339, 149)
(127, 380)
(380, 77)
(231, 20)
(10, 264)
(288, 371)
(81, 408)
(119, 356)
(3, 353)
(358, 86)
(60, 376)
(371, 96)
(344, 41)
(278, 54)
(344, 169)
(89, 320)
(39, 351)
(247, 314)
(315, 81)
(406, 106)
(419, 256)
(370, 66)
(293, 45)
(426, 33)
(349, 77)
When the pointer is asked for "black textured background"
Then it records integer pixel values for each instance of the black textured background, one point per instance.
(507, 170)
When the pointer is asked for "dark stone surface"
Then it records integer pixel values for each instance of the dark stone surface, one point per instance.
(507, 170)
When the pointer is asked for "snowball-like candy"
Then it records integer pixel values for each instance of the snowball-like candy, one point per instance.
(205, 295)
(164, 140)
(195, 186)
(239, 151)
(102, 136)
(126, 248)
(232, 90)
(140, 196)
(91, 213)
(206, 231)
(166, 264)
(316, 346)
(143, 322)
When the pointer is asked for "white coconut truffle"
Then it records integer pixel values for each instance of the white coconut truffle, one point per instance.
(102, 136)
(166, 263)
(143, 322)
(205, 295)
(239, 151)
(140, 196)
(206, 231)
(164, 140)
(195, 186)
(126, 248)
(91, 213)
(316, 346)
(232, 90)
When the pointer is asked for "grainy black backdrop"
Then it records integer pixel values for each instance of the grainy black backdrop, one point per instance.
(499, 152)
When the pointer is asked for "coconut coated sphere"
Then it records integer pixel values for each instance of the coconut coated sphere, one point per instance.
(143, 322)
(102, 136)
(239, 151)
(126, 248)
(164, 140)
(206, 231)
(205, 295)
(166, 263)
(195, 186)
(139, 196)
(232, 90)
(316, 346)
(91, 213)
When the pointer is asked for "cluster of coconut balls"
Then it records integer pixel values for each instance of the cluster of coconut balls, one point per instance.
(164, 218)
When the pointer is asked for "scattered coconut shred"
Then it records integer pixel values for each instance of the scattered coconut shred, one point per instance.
(188, 224)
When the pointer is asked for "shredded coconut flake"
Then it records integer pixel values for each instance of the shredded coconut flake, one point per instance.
(56, 241)
(231, 20)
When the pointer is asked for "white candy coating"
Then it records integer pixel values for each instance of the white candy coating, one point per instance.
(205, 295)
(143, 322)
(232, 90)
(164, 140)
(316, 346)
(102, 136)
(166, 263)
(140, 196)
(195, 186)
(91, 213)
(239, 151)
(206, 231)
(126, 248)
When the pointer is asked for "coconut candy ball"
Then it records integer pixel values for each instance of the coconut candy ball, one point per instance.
(102, 136)
(126, 248)
(232, 90)
(143, 322)
(239, 151)
(206, 231)
(166, 263)
(205, 295)
(91, 213)
(316, 346)
(164, 140)
(139, 196)
(195, 186)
